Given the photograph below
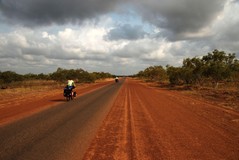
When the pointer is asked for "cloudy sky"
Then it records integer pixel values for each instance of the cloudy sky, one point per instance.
(116, 36)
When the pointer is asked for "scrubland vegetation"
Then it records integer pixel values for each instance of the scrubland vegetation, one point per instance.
(59, 77)
(214, 69)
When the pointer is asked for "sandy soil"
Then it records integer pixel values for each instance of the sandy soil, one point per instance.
(149, 123)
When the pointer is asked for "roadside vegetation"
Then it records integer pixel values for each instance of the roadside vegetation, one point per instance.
(10, 79)
(214, 76)
(209, 70)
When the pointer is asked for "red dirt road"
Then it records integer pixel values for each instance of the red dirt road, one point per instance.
(148, 123)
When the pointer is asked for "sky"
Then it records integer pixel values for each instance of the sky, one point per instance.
(121, 37)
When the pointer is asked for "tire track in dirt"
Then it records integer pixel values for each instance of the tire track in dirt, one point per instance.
(145, 129)
(123, 135)
(114, 140)
(129, 130)
(145, 123)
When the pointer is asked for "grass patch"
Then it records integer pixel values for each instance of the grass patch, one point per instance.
(24, 87)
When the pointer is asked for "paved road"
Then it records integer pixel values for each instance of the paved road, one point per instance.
(62, 132)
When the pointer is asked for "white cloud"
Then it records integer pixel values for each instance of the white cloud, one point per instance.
(48, 36)
(225, 29)
(153, 34)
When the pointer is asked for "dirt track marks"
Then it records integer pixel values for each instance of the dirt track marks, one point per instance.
(126, 131)
(146, 123)
(117, 127)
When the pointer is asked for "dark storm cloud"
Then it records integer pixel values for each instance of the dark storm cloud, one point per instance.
(45, 12)
(176, 17)
(181, 16)
(127, 32)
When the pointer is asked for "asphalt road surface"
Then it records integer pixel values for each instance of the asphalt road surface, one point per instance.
(62, 132)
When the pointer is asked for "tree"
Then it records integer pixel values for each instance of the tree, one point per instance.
(193, 70)
(154, 73)
(175, 74)
(9, 76)
(219, 66)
